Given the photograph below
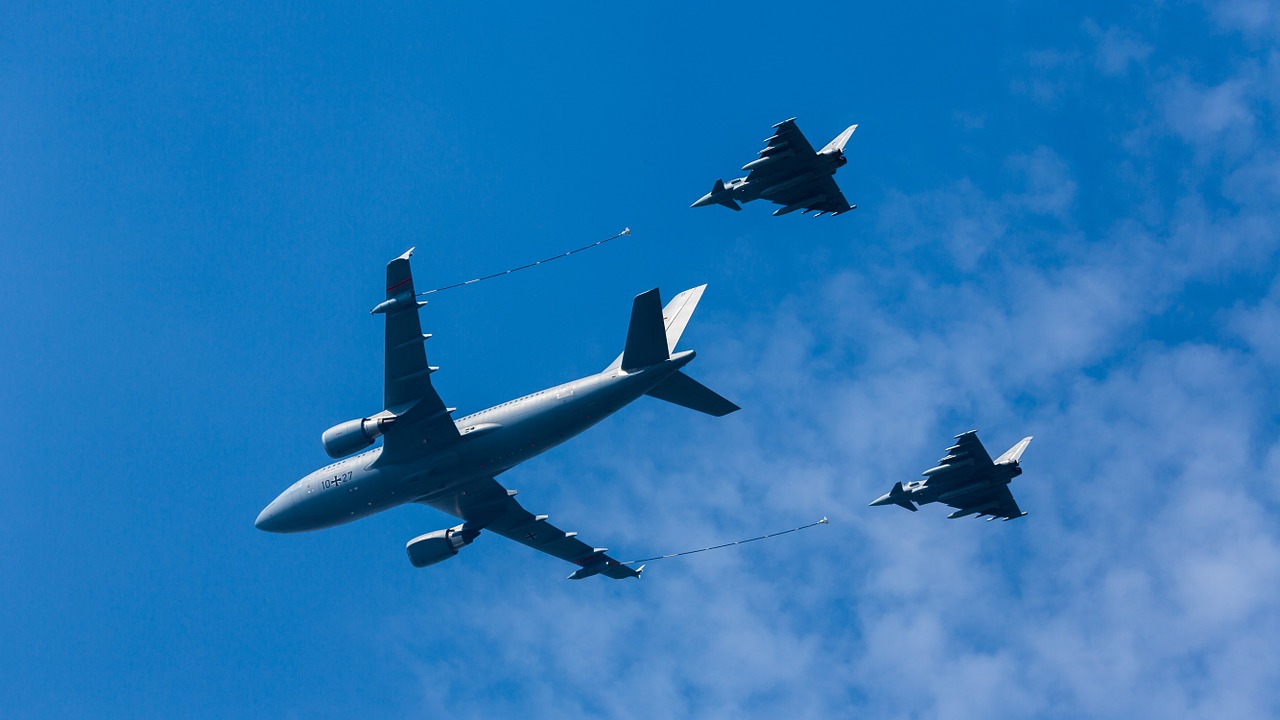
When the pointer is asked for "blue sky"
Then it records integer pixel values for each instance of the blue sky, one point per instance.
(1065, 228)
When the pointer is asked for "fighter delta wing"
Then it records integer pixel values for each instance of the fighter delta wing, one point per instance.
(789, 173)
(966, 479)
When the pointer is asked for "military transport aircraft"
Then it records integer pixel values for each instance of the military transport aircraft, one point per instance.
(789, 173)
(966, 479)
(428, 457)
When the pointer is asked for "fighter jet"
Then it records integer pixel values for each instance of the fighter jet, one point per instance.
(789, 173)
(428, 457)
(966, 479)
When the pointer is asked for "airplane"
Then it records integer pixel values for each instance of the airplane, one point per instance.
(428, 457)
(789, 173)
(966, 479)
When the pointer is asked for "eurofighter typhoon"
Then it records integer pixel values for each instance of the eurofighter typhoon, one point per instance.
(789, 173)
(428, 457)
(966, 479)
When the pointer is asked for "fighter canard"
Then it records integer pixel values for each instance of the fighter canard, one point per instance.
(966, 479)
(428, 457)
(789, 173)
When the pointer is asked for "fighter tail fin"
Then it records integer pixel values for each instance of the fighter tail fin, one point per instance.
(837, 145)
(687, 392)
(1014, 454)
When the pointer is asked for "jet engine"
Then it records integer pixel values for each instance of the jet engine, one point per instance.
(353, 435)
(440, 545)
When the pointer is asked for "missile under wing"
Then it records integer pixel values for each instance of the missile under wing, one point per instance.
(790, 173)
(967, 479)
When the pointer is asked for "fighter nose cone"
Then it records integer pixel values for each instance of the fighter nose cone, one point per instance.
(884, 499)
(703, 201)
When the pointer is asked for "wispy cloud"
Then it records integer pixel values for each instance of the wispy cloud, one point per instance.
(1116, 50)
(1140, 585)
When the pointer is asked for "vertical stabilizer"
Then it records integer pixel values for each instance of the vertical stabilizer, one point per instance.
(677, 313)
(647, 335)
(675, 318)
(837, 145)
(1014, 454)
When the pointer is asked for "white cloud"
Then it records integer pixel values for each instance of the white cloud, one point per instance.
(1253, 18)
(1141, 584)
(1116, 49)
(1050, 189)
(1050, 75)
(1210, 116)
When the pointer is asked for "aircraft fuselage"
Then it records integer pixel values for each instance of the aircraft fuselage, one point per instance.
(492, 441)
(768, 185)
(944, 487)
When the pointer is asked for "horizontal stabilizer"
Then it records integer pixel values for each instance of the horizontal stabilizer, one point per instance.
(687, 392)
(1014, 454)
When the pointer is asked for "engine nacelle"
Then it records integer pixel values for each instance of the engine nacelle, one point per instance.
(437, 546)
(353, 435)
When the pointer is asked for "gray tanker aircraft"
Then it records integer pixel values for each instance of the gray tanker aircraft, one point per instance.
(789, 173)
(966, 479)
(428, 457)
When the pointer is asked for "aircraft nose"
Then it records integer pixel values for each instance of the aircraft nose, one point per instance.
(702, 201)
(884, 499)
(272, 519)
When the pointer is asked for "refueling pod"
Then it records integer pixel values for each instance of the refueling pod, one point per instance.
(440, 545)
(354, 435)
